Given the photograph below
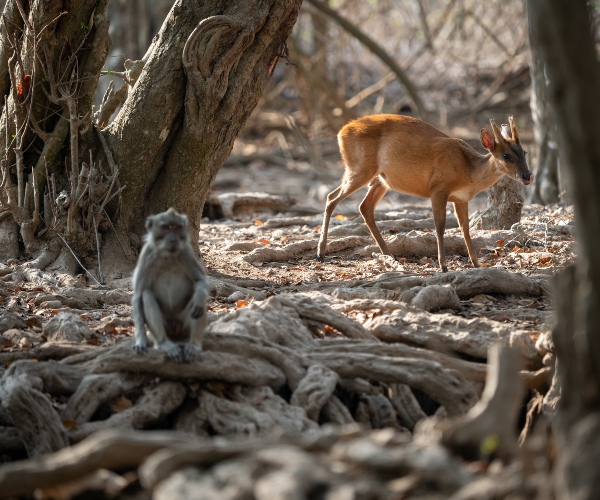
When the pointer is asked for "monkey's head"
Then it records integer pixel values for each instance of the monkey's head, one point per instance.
(168, 231)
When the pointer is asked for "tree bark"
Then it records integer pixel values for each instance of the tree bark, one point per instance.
(546, 188)
(505, 204)
(187, 99)
(203, 75)
(562, 33)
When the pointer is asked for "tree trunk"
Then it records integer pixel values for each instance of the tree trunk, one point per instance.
(546, 188)
(187, 99)
(46, 107)
(562, 33)
(505, 203)
(202, 78)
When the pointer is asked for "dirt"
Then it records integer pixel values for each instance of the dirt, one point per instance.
(542, 255)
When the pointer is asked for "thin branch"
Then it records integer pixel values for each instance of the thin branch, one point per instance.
(487, 30)
(107, 152)
(426, 30)
(24, 16)
(77, 258)
(374, 47)
(117, 236)
(98, 249)
(370, 90)
(107, 196)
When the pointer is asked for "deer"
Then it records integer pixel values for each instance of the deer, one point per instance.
(408, 155)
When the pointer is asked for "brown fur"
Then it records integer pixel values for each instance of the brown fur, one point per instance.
(410, 156)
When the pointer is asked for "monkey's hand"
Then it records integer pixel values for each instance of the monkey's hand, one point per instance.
(190, 351)
(197, 304)
(141, 344)
(197, 311)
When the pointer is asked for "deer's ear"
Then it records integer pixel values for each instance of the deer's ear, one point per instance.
(487, 139)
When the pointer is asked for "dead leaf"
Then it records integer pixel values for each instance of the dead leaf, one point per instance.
(121, 404)
(241, 303)
(69, 424)
(34, 323)
(500, 243)
(329, 330)
(258, 222)
(535, 335)
(340, 217)
(6, 344)
(215, 386)
(480, 298)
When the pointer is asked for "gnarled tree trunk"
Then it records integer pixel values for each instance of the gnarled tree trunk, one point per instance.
(184, 104)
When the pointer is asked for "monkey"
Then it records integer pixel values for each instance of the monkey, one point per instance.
(170, 289)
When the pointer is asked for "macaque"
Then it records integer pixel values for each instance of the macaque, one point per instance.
(170, 289)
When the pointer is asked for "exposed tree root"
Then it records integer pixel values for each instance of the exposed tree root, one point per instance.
(233, 204)
(489, 427)
(271, 376)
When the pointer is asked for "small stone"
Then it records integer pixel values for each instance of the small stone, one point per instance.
(25, 343)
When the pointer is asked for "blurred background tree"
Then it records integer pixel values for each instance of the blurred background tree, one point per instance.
(462, 61)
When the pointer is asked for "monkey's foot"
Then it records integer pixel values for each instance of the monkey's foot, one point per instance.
(140, 348)
(190, 351)
(172, 350)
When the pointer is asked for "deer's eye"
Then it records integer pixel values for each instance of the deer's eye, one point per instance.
(506, 156)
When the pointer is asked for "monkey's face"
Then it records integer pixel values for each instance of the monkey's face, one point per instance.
(170, 235)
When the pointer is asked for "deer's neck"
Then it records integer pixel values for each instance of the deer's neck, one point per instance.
(487, 171)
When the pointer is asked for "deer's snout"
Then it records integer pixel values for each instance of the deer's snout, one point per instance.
(527, 178)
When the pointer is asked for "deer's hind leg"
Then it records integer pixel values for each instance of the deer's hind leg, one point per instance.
(350, 184)
(367, 209)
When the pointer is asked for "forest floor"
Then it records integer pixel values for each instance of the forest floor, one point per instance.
(277, 317)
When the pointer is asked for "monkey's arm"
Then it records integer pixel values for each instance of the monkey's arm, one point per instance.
(198, 300)
(141, 339)
(197, 303)
(196, 319)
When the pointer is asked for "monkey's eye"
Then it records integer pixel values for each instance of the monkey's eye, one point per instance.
(525, 153)
(506, 156)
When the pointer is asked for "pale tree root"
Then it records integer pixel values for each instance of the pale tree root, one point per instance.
(488, 429)
(232, 204)
(400, 245)
(261, 349)
(333, 461)
(103, 450)
(262, 374)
